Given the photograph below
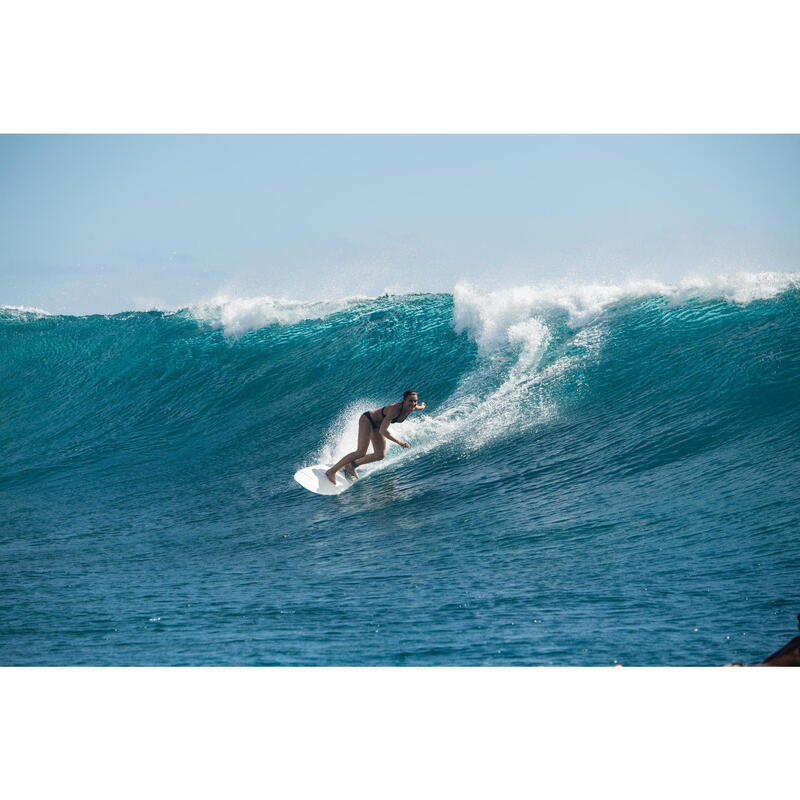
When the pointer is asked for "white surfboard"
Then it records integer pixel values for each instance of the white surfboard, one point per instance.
(315, 480)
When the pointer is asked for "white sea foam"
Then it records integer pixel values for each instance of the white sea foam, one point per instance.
(510, 328)
(26, 310)
(489, 317)
(239, 315)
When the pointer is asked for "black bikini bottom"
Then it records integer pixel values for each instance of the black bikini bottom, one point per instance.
(369, 417)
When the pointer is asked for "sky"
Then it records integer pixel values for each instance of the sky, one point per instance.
(106, 223)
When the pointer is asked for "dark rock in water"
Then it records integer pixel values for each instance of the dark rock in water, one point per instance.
(787, 656)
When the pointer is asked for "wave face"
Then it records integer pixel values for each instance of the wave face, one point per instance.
(603, 474)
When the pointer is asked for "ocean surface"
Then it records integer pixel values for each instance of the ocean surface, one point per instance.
(604, 474)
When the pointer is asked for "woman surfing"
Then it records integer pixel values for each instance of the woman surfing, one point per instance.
(374, 426)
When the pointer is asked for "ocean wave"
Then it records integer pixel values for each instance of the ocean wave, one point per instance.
(498, 364)
(623, 453)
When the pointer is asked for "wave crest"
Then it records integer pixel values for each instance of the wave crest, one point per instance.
(488, 317)
(239, 315)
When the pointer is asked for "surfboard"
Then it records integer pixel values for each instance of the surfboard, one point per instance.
(315, 480)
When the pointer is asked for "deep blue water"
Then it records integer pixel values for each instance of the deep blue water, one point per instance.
(600, 476)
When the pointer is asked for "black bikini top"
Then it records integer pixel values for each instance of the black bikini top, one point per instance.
(383, 412)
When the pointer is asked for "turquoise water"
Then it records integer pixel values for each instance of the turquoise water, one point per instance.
(603, 474)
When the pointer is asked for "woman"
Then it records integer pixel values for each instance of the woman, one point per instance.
(375, 425)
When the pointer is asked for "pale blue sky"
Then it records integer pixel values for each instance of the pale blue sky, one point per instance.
(108, 223)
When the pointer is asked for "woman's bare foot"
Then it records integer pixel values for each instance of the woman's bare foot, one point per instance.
(331, 476)
(351, 468)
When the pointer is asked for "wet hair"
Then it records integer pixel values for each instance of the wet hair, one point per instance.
(409, 392)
